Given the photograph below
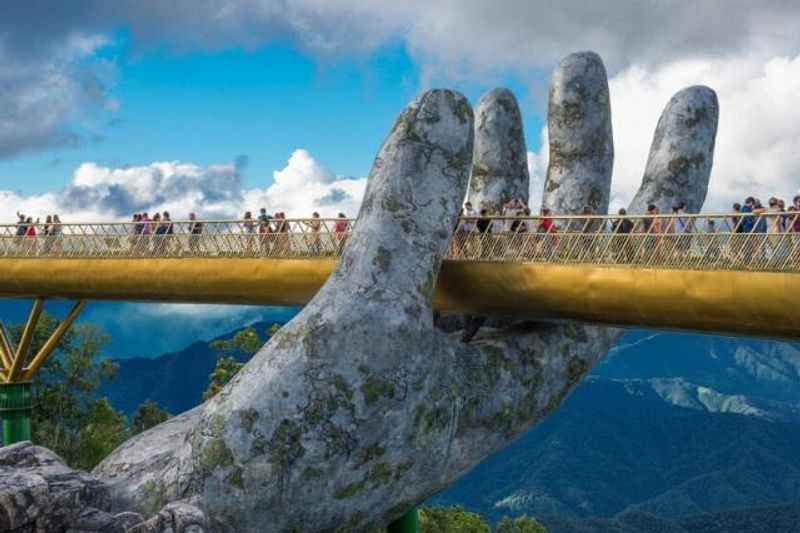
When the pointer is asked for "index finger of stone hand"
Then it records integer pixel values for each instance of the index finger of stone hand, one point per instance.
(580, 136)
(410, 207)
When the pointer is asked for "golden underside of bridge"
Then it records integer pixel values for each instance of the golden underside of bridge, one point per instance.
(715, 301)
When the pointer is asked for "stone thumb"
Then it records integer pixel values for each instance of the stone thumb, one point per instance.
(410, 207)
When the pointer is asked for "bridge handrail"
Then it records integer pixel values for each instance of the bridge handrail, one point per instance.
(770, 243)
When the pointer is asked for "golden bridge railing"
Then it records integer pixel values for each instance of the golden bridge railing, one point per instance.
(768, 242)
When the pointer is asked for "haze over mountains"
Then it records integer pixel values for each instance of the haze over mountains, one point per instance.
(670, 433)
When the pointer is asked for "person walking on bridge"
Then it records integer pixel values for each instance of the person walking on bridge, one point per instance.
(313, 243)
(680, 227)
(546, 228)
(31, 247)
(249, 229)
(652, 228)
(264, 232)
(159, 231)
(340, 230)
(56, 231)
(467, 245)
(22, 229)
(621, 229)
(195, 231)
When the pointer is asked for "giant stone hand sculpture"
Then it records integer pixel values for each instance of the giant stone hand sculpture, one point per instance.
(359, 409)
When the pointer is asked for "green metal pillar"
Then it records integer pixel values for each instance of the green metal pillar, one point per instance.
(15, 411)
(408, 523)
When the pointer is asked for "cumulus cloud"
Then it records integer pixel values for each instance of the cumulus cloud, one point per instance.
(41, 95)
(758, 140)
(102, 193)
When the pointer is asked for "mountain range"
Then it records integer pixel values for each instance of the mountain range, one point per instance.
(670, 432)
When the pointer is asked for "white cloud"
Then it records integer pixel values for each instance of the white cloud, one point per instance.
(758, 139)
(42, 94)
(304, 186)
(102, 193)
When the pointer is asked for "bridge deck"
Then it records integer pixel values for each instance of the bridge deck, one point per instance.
(724, 282)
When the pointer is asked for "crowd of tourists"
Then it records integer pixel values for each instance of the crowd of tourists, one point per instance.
(267, 233)
(478, 233)
(663, 236)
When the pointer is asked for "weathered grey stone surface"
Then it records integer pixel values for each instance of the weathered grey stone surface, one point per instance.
(358, 408)
(500, 159)
(37, 490)
(178, 517)
(581, 141)
(40, 494)
(682, 153)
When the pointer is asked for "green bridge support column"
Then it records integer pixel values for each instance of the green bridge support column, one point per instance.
(15, 410)
(408, 523)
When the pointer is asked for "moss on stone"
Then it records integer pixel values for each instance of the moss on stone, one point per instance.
(285, 446)
(374, 388)
(343, 386)
(216, 454)
(248, 418)
(371, 452)
(312, 473)
(380, 474)
(235, 478)
(350, 490)
(259, 445)
(576, 369)
(402, 468)
(382, 259)
(154, 497)
(353, 521)
(698, 116)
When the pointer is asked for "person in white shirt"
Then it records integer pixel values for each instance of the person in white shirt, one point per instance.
(468, 218)
(510, 210)
(464, 244)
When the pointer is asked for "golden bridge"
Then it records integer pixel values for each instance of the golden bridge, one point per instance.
(688, 272)
(706, 276)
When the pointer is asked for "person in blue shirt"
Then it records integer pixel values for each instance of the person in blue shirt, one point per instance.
(748, 222)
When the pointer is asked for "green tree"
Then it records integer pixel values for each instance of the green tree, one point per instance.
(522, 524)
(247, 341)
(104, 429)
(147, 415)
(223, 372)
(67, 417)
(451, 520)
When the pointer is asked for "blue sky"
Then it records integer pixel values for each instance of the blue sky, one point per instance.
(208, 108)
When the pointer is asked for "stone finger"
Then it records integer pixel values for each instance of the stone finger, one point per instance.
(410, 207)
(500, 158)
(682, 153)
(580, 136)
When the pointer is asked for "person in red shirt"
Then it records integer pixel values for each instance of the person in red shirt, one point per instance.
(340, 232)
(30, 233)
(548, 241)
(546, 224)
